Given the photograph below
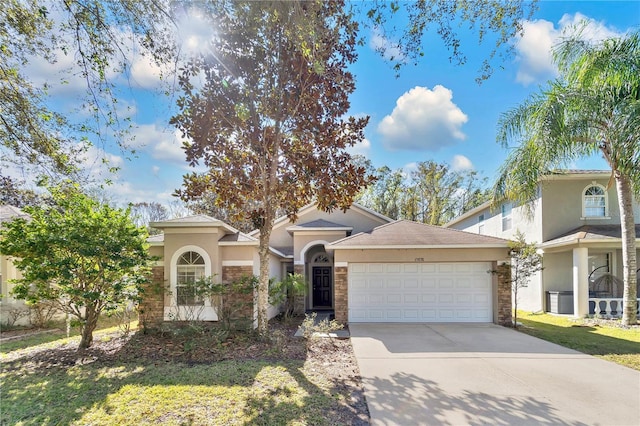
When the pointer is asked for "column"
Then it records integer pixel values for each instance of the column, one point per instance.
(580, 282)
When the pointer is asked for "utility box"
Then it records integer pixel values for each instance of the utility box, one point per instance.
(560, 302)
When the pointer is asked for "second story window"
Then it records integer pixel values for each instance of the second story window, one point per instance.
(481, 224)
(506, 216)
(594, 201)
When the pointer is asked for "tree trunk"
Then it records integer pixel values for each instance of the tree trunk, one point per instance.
(89, 325)
(263, 282)
(629, 263)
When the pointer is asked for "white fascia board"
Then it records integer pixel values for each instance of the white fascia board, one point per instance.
(279, 253)
(484, 206)
(595, 174)
(315, 231)
(584, 242)
(238, 243)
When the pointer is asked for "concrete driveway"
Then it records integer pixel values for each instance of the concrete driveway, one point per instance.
(457, 374)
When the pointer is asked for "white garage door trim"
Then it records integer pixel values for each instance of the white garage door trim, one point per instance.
(420, 292)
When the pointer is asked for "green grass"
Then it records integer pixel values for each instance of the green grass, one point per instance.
(616, 344)
(57, 335)
(130, 391)
(229, 392)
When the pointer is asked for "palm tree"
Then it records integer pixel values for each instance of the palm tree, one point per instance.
(593, 107)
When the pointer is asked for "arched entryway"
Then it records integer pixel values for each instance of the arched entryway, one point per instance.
(320, 278)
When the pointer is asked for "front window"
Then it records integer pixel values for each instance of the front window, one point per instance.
(506, 216)
(595, 201)
(190, 269)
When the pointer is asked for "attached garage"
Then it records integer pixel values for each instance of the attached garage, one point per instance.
(411, 272)
(420, 292)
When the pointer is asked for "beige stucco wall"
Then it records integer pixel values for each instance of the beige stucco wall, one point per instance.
(422, 255)
(302, 241)
(237, 253)
(157, 251)
(557, 212)
(359, 220)
(521, 220)
(9, 272)
(206, 239)
(562, 207)
(177, 240)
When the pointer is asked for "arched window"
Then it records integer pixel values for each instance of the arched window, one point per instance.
(190, 268)
(321, 258)
(594, 201)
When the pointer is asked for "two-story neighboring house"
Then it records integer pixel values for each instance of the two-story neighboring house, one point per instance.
(576, 223)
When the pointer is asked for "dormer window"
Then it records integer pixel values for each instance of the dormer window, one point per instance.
(594, 202)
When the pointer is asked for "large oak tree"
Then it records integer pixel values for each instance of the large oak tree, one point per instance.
(268, 118)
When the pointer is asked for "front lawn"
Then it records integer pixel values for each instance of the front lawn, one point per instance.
(168, 379)
(604, 339)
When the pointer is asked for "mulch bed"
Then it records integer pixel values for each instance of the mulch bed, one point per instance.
(330, 359)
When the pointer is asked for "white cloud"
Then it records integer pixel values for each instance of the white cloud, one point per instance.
(147, 74)
(361, 148)
(169, 148)
(534, 50)
(423, 119)
(161, 143)
(461, 163)
(147, 135)
(390, 50)
(96, 162)
(125, 192)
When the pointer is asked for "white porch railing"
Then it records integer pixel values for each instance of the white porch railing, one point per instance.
(607, 307)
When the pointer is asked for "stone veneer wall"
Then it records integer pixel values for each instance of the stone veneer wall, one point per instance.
(504, 295)
(235, 273)
(151, 308)
(341, 300)
(299, 303)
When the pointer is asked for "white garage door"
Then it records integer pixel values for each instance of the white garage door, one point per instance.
(420, 292)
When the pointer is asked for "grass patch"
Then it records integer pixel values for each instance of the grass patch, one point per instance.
(156, 379)
(229, 392)
(616, 344)
(57, 334)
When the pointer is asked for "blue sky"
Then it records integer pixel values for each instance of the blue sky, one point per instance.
(433, 111)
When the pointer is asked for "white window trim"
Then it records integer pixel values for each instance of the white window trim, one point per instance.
(507, 216)
(208, 312)
(606, 203)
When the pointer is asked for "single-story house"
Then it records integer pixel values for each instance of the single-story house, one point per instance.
(359, 264)
(8, 305)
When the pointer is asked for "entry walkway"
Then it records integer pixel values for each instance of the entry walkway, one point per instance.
(457, 374)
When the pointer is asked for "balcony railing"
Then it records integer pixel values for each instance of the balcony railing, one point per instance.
(608, 307)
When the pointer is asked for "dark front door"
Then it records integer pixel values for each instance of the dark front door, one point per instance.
(321, 286)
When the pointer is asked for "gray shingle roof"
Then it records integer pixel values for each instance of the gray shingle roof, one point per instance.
(413, 234)
(158, 238)
(199, 218)
(591, 232)
(238, 237)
